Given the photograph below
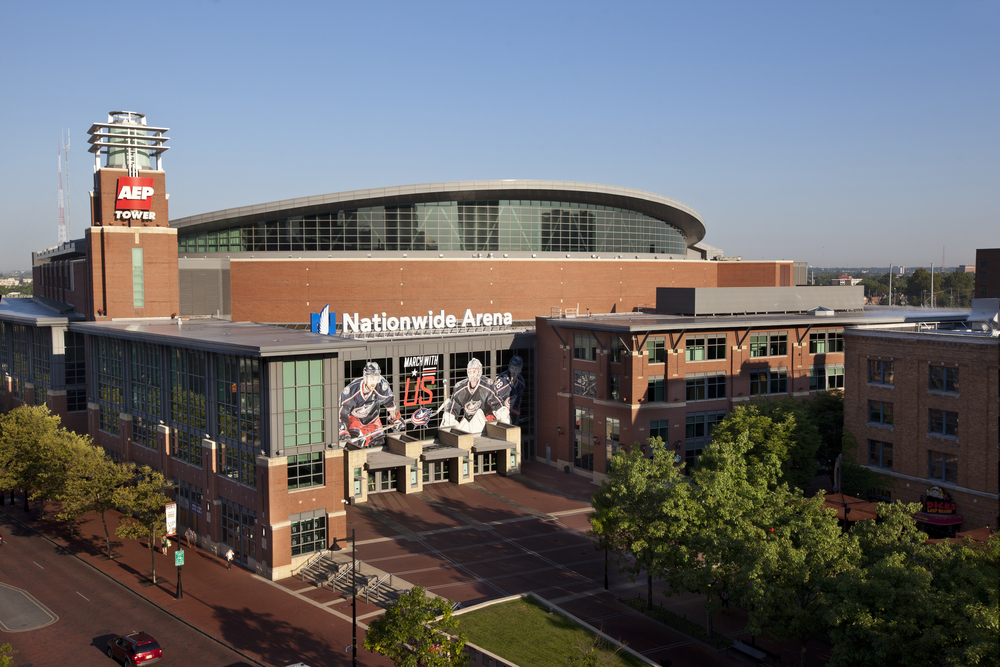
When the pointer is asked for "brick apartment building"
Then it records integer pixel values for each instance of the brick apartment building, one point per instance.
(608, 381)
(922, 403)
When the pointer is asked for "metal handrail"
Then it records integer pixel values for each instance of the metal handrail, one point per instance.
(312, 561)
(341, 573)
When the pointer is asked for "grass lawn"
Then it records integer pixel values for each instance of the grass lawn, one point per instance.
(524, 632)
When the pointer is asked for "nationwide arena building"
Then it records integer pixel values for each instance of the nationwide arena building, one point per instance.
(277, 360)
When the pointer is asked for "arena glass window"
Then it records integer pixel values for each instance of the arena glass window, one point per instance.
(305, 470)
(308, 535)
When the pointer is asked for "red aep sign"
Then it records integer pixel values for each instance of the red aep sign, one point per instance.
(134, 194)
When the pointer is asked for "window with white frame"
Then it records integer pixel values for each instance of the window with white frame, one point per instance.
(656, 348)
(704, 348)
(772, 344)
(826, 342)
(822, 378)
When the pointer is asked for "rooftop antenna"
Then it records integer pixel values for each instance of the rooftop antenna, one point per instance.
(69, 224)
(62, 215)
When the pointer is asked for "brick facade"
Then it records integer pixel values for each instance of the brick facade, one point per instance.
(912, 355)
(633, 409)
(272, 290)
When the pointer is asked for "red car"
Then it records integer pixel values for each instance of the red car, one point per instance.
(137, 648)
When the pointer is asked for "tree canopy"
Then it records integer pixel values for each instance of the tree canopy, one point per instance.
(408, 634)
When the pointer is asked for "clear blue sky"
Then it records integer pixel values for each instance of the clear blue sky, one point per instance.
(838, 133)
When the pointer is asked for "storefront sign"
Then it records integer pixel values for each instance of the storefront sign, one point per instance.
(938, 501)
(134, 198)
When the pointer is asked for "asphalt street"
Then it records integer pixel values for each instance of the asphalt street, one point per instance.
(90, 609)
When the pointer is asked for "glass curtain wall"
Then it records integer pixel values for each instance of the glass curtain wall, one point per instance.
(516, 225)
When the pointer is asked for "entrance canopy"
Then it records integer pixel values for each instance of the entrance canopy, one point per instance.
(442, 453)
(383, 459)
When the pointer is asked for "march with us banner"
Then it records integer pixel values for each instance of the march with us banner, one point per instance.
(422, 386)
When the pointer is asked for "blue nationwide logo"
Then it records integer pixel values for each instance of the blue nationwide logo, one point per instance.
(323, 322)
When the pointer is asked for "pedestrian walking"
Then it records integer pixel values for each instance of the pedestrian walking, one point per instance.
(166, 544)
(190, 535)
(229, 559)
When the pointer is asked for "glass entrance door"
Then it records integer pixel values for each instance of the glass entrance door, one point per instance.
(437, 471)
(383, 480)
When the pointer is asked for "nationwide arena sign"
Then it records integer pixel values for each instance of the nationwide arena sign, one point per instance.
(325, 322)
(376, 322)
(134, 198)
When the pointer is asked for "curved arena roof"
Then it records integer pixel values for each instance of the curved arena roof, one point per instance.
(656, 206)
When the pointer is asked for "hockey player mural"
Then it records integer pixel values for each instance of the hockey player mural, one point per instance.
(509, 387)
(361, 403)
(474, 402)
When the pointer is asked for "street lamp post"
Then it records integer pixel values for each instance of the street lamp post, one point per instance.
(354, 595)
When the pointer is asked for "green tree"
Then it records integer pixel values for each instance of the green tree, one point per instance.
(791, 569)
(35, 453)
(7, 655)
(907, 602)
(779, 429)
(805, 440)
(641, 512)
(92, 484)
(143, 504)
(826, 412)
(955, 289)
(732, 496)
(918, 287)
(408, 634)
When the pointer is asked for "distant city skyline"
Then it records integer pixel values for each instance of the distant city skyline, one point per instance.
(853, 134)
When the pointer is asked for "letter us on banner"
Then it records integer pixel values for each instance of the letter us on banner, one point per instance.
(171, 516)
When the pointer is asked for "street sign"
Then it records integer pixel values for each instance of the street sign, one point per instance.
(179, 557)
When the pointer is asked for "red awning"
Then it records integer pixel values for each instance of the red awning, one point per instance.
(938, 519)
(857, 509)
(978, 534)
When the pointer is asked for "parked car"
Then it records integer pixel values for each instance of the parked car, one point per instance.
(138, 648)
